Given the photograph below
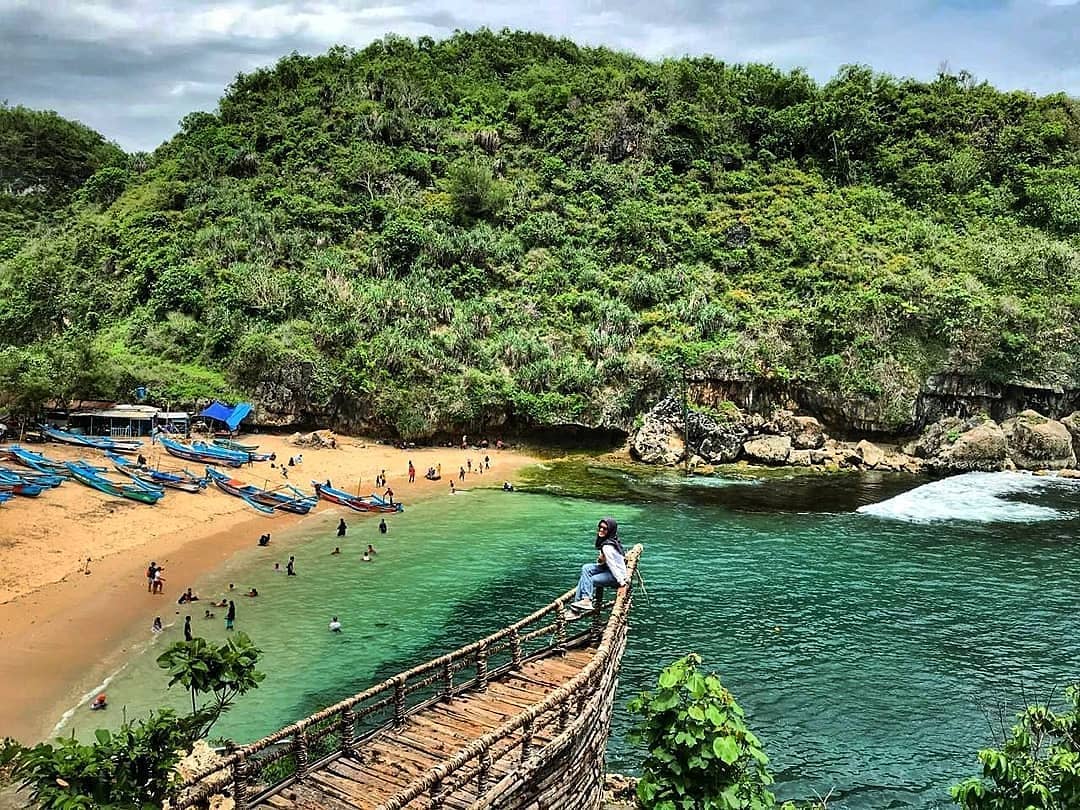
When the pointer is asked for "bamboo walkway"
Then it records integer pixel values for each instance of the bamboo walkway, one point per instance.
(392, 759)
(516, 720)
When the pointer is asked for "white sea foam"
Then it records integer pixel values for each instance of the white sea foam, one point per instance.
(85, 699)
(715, 481)
(975, 497)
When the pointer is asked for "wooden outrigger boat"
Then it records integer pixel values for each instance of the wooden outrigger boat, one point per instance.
(33, 476)
(136, 492)
(36, 461)
(357, 503)
(184, 481)
(16, 484)
(130, 446)
(225, 452)
(264, 499)
(227, 457)
(229, 444)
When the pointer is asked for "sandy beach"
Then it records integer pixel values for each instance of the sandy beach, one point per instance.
(61, 628)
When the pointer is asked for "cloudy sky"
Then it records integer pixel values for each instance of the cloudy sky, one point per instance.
(132, 68)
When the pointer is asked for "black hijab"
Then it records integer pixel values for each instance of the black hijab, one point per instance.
(612, 538)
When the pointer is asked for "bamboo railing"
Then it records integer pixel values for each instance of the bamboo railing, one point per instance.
(578, 714)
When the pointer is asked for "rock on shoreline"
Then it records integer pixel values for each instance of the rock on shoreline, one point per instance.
(1027, 441)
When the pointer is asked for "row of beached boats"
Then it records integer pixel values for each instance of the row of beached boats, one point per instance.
(146, 484)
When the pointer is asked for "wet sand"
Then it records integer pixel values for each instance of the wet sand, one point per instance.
(62, 630)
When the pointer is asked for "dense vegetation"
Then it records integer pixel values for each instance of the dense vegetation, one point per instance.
(433, 235)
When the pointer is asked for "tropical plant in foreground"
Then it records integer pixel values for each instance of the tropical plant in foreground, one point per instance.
(214, 676)
(700, 753)
(133, 766)
(1037, 766)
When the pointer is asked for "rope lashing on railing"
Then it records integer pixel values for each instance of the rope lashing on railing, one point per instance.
(302, 735)
(481, 649)
(574, 687)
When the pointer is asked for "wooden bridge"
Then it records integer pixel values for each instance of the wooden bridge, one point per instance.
(519, 719)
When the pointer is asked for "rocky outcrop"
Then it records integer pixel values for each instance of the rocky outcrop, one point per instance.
(658, 443)
(1038, 443)
(956, 445)
(870, 454)
(1029, 441)
(768, 449)
(659, 440)
(1072, 424)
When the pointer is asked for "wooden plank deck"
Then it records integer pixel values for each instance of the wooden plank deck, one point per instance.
(390, 761)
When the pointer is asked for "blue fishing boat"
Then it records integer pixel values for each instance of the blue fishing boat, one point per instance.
(136, 492)
(287, 498)
(182, 480)
(131, 446)
(357, 503)
(232, 459)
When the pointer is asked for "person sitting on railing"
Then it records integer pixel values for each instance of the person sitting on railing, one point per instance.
(609, 568)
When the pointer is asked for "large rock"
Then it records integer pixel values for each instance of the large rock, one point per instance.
(806, 432)
(1038, 443)
(657, 442)
(768, 449)
(719, 438)
(1072, 424)
(957, 445)
(870, 453)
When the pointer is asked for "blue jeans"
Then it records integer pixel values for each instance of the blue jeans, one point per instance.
(593, 574)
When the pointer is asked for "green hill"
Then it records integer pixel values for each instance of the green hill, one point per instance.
(512, 229)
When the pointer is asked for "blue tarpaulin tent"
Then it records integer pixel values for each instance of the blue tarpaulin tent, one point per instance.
(230, 416)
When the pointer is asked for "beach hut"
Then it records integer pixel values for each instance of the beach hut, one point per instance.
(128, 420)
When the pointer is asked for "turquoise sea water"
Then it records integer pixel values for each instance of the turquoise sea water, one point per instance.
(867, 624)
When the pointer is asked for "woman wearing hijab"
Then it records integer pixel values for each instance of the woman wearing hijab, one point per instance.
(609, 568)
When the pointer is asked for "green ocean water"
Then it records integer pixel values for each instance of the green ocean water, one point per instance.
(866, 623)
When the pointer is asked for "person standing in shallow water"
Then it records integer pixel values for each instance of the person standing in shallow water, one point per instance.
(187, 628)
(230, 616)
(341, 527)
(383, 528)
(290, 569)
(609, 568)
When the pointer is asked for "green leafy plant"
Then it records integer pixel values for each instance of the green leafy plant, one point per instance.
(130, 767)
(701, 754)
(1037, 766)
(213, 675)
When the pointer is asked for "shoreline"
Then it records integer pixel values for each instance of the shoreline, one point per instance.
(62, 632)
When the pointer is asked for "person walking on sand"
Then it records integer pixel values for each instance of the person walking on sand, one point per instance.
(383, 528)
(290, 568)
(461, 474)
(609, 568)
(150, 571)
(159, 580)
(487, 462)
(341, 527)
(468, 463)
(187, 628)
(230, 615)
(452, 490)
(412, 472)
